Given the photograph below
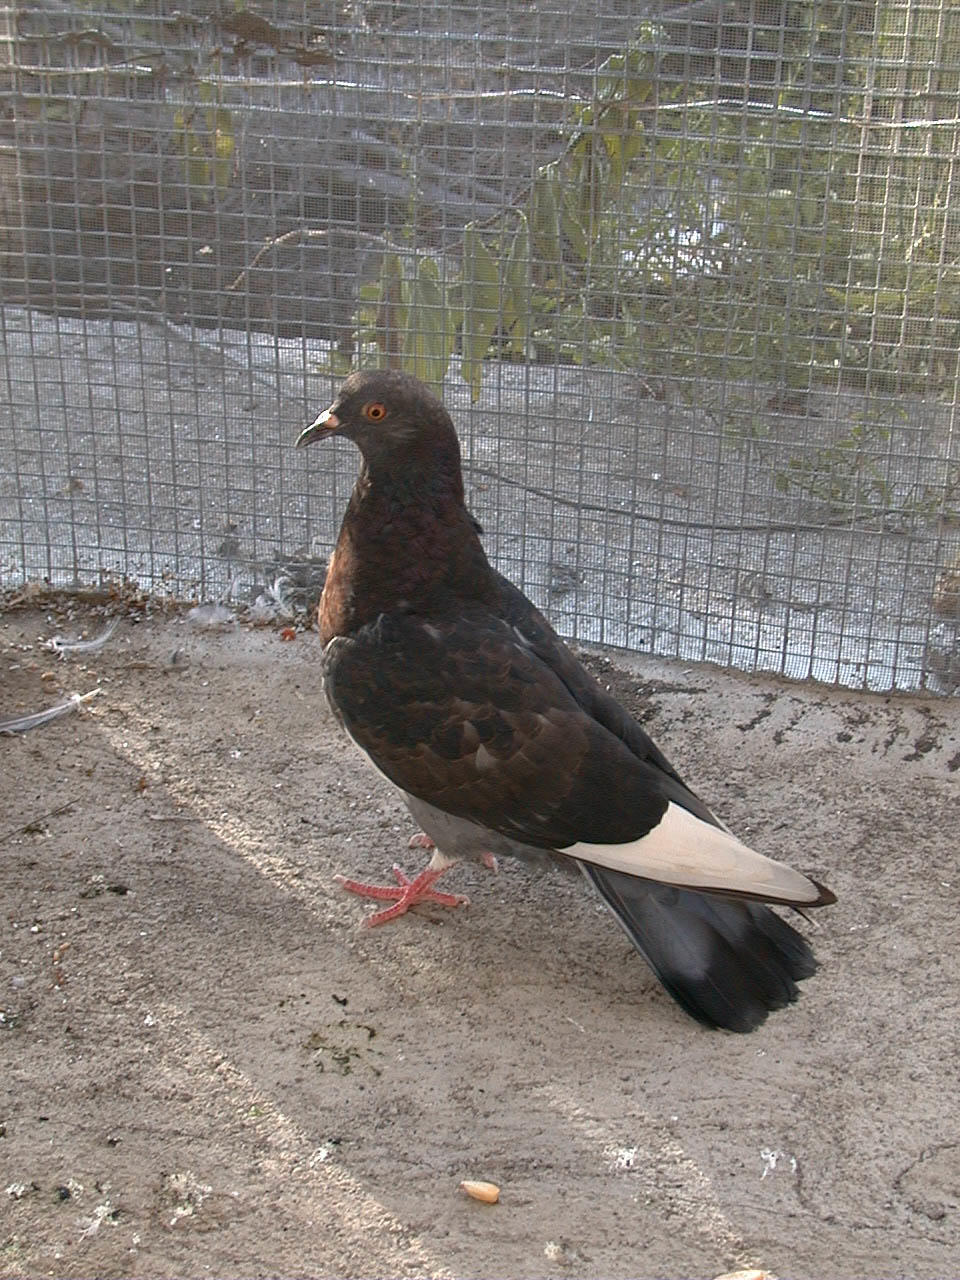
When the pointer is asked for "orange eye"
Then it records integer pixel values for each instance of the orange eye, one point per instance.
(376, 411)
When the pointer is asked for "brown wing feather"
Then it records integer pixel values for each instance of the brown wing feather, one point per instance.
(460, 711)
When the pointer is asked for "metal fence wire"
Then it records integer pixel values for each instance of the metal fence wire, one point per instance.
(689, 279)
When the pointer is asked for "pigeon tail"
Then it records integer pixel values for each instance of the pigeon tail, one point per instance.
(727, 962)
(691, 853)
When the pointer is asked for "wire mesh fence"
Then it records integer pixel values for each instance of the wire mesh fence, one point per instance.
(688, 277)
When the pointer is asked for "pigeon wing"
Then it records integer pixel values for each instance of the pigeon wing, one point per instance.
(460, 711)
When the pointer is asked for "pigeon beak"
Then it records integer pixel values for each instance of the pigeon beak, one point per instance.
(324, 426)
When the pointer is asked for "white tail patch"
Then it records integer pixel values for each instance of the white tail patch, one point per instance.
(684, 850)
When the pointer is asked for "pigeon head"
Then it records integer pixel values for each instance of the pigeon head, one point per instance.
(406, 534)
(386, 414)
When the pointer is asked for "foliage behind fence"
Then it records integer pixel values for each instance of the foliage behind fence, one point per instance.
(745, 213)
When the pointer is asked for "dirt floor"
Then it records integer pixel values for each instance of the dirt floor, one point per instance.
(207, 1066)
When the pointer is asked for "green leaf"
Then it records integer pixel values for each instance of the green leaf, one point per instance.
(196, 165)
(546, 198)
(430, 330)
(572, 228)
(480, 289)
(517, 300)
(220, 122)
(391, 317)
(588, 182)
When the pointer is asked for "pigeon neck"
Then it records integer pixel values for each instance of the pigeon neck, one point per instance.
(424, 472)
(407, 543)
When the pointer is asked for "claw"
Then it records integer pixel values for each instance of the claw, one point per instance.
(406, 894)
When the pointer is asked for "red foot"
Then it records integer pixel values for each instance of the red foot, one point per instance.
(407, 894)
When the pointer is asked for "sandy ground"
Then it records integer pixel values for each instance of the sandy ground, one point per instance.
(208, 1066)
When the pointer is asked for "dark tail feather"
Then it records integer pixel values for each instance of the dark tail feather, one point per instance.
(727, 961)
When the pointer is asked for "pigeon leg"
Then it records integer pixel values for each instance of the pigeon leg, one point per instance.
(404, 895)
(422, 841)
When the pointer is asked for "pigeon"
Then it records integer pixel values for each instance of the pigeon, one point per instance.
(460, 692)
